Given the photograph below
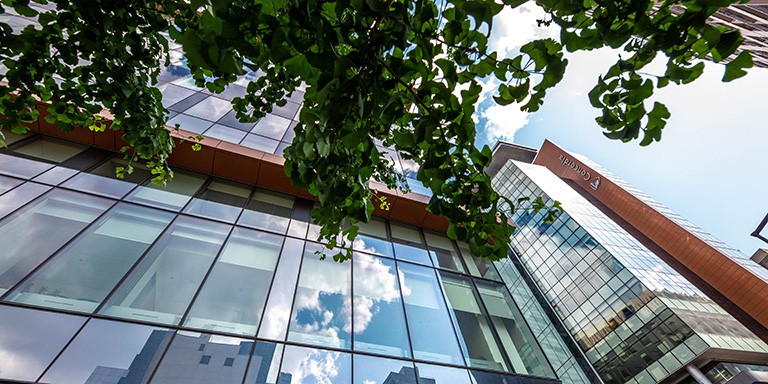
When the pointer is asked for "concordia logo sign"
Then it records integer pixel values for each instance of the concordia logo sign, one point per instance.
(581, 171)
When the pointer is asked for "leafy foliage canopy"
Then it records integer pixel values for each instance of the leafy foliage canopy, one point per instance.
(404, 72)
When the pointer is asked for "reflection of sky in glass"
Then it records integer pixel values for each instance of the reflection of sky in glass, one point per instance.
(378, 311)
(314, 366)
(436, 374)
(278, 310)
(322, 308)
(375, 370)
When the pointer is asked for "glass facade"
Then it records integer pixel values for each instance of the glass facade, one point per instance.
(636, 319)
(107, 281)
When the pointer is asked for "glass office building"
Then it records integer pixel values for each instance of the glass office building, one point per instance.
(636, 319)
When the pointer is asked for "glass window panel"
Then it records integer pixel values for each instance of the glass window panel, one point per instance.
(478, 266)
(20, 167)
(55, 151)
(8, 183)
(522, 348)
(315, 366)
(481, 377)
(278, 310)
(321, 311)
(373, 245)
(402, 232)
(474, 330)
(173, 196)
(233, 296)
(432, 334)
(184, 362)
(264, 367)
(55, 175)
(110, 352)
(443, 252)
(162, 285)
(31, 339)
(374, 227)
(436, 374)
(40, 228)
(375, 370)
(378, 309)
(221, 200)
(268, 211)
(103, 180)
(20, 197)
(81, 276)
(411, 253)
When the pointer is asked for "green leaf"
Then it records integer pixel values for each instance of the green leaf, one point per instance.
(735, 69)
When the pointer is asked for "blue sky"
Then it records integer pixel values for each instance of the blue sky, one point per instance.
(710, 165)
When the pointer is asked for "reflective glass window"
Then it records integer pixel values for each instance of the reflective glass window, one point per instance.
(222, 200)
(174, 195)
(443, 253)
(36, 231)
(378, 309)
(233, 296)
(321, 310)
(478, 266)
(432, 334)
(374, 227)
(376, 370)
(51, 150)
(411, 253)
(268, 211)
(265, 364)
(373, 245)
(110, 351)
(31, 339)
(8, 183)
(23, 168)
(437, 374)
(315, 366)
(161, 286)
(521, 347)
(20, 196)
(55, 175)
(185, 363)
(81, 276)
(103, 180)
(406, 233)
(473, 327)
(278, 310)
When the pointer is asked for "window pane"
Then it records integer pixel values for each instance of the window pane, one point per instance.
(23, 168)
(110, 352)
(278, 310)
(233, 296)
(55, 175)
(185, 362)
(430, 327)
(265, 364)
(55, 151)
(81, 276)
(20, 196)
(8, 183)
(173, 196)
(36, 231)
(374, 227)
(166, 279)
(436, 374)
(443, 253)
(314, 366)
(518, 341)
(411, 253)
(34, 336)
(373, 245)
(477, 266)
(473, 327)
(220, 200)
(103, 180)
(378, 310)
(406, 233)
(321, 310)
(376, 370)
(268, 211)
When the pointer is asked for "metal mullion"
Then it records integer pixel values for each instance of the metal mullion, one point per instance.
(135, 264)
(162, 357)
(56, 252)
(71, 340)
(248, 362)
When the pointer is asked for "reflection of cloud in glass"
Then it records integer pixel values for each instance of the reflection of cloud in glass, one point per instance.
(315, 366)
(374, 282)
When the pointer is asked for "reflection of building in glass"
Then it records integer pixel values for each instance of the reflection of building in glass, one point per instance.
(406, 375)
